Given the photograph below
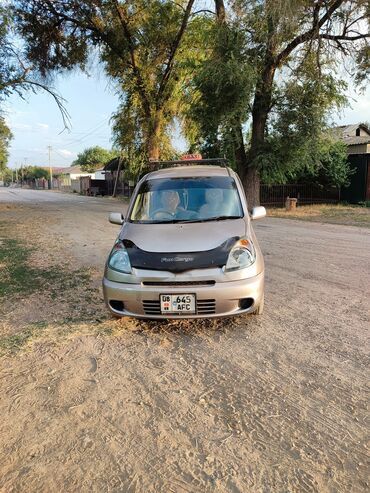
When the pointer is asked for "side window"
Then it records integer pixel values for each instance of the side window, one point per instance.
(136, 211)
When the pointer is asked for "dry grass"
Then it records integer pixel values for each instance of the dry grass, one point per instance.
(350, 215)
(42, 292)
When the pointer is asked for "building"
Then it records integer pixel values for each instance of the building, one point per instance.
(116, 180)
(357, 138)
(69, 178)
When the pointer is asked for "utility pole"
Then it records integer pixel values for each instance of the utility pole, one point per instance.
(50, 170)
(16, 175)
(25, 164)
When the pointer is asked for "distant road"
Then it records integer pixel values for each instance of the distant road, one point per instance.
(11, 195)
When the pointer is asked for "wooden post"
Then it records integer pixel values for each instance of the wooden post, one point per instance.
(117, 177)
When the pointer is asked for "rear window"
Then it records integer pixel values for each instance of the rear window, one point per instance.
(187, 200)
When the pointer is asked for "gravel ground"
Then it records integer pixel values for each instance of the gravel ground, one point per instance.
(275, 403)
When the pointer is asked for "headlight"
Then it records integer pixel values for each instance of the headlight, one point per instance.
(119, 259)
(242, 255)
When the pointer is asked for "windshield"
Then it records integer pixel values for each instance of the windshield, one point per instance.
(187, 200)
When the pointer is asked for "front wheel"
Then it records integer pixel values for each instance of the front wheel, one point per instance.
(259, 309)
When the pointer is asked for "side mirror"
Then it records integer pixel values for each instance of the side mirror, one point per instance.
(116, 218)
(258, 213)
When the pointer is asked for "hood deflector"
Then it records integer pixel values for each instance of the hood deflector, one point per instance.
(179, 262)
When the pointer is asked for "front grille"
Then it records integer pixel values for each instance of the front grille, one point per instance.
(179, 283)
(152, 307)
(204, 307)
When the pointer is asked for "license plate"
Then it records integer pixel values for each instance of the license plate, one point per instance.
(177, 303)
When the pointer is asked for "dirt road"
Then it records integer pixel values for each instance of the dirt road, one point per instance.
(255, 404)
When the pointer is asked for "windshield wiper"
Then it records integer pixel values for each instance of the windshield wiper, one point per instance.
(220, 218)
(216, 218)
(185, 221)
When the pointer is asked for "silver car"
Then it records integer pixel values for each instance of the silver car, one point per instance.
(187, 248)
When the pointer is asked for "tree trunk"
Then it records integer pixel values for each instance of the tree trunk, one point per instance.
(220, 11)
(154, 136)
(251, 184)
(239, 151)
(261, 108)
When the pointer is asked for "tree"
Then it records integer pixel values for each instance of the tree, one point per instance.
(222, 88)
(34, 172)
(279, 30)
(5, 137)
(297, 124)
(16, 74)
(93, 158)
(303, 43)
(140, 44)
(6, 175)
(335, 170)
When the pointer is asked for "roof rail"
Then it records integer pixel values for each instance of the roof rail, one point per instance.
(188, 162)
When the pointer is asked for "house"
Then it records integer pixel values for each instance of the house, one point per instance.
(116, 181)
(357, 138)
(69, 178)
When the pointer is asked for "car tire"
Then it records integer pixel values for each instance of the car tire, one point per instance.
(260, 307)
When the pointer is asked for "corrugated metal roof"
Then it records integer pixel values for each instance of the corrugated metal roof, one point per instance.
(352, 141)
(75, 170)
(112, 165)
(344, 131)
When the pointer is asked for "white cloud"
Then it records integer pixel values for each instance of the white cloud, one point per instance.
(66, 152)
(42, 126)
(39, 149)
(20, 126)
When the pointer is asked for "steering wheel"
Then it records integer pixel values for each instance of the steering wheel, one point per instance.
(163, 214)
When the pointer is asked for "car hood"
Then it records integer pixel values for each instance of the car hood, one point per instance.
(177, 238)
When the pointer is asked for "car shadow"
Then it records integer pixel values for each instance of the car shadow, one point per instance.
(205, 327)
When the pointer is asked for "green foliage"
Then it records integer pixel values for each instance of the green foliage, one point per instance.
(143, 46)
(289, 58)
(294, 145)
(319, 160)
(6, 175)
(335, 170)
(17, 74)
(365, 203)
(5, 137)
(143, 125)
(9, 69)
(272, 61)
(94, 158)
(222, 88)
(34, 172)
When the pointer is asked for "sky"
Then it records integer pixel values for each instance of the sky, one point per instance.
(36, 122)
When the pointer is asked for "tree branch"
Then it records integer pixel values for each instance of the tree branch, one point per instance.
(205, 11)
(87, 26)
(342, 37)
(175, 46)
(220, 10)
(134, 65)
(313, 32)
(57, 98)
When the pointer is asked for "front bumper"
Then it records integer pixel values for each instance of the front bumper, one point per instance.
(222, 299)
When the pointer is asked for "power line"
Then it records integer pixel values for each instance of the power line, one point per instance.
(94, 129)
(63, 157)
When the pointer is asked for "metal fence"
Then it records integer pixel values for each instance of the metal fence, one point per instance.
(275, 195)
